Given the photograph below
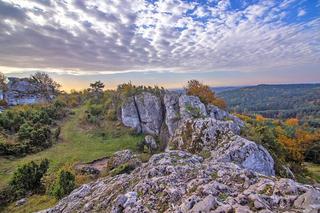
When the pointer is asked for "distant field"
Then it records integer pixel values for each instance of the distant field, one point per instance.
(77, 145)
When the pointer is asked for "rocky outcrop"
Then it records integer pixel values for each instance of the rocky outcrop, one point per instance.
(220, 140)
(196, 128)
(24, 91)
(191, 107)
(172, 109)
(108, 163)
(177, 181)
(129, 114)
(150, 111)
(143, 112)
(219, 114)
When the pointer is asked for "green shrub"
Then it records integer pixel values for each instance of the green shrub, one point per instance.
(64, 184)
(56, 133)
(28, 177)
(112, 115)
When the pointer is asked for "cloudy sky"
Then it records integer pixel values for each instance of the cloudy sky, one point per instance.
(163, 42)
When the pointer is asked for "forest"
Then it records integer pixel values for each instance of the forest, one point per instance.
(301, 101)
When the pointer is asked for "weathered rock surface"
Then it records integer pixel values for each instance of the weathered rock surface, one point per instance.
(23, 91)
(129, 114)
(220, 139)
(144, 113)
(177, 181)
(150, 112)
(191, 107)
(219, 114)
(147, 112)
(151, 143)
(172, 118)
(108, 163)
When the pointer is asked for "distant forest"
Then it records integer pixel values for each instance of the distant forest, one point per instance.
(300, 101)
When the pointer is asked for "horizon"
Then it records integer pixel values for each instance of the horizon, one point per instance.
(162, 42)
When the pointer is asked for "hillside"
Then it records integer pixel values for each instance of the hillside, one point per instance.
(277, 101)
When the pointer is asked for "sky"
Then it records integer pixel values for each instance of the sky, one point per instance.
(162, 42)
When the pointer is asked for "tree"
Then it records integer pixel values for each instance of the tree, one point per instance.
(46, 84)
(97, 87)
(205, 94)
(3, 85)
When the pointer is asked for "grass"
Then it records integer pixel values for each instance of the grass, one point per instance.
(77, 145)
(314, 170)
(33, 204)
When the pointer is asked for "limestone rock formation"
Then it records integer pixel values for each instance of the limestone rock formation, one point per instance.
(191, 107)
(23, 91)
(177, 181)
(220, 140)
(172, 117)
(144, 113)
(129, 114)
(150, 112)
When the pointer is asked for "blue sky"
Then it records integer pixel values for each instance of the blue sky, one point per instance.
(163, 42)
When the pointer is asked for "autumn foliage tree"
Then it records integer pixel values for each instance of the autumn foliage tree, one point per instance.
(205, 94)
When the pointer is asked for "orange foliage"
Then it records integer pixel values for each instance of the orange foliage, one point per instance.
(205, 94)
(260, 118)
(299, 144)
(292, 122)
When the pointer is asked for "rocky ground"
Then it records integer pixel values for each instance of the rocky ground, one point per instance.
(177, 181)
(207, 166)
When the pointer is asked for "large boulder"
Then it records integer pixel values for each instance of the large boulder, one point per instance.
(220, 139)
(151, 114)
(248, 154)
(177, 181)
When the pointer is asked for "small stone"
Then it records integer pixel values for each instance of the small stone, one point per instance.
(21, 202)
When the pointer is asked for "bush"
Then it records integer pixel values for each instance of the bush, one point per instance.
(28, 177)
(64, 184)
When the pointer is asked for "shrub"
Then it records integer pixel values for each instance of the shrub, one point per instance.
(28, 177)
(64, 184)
(56, 133)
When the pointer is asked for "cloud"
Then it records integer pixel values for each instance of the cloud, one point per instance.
(301, 12)
(107, 37)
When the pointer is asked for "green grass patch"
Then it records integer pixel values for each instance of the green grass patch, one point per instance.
(33, 204)
(314, 171)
